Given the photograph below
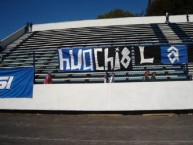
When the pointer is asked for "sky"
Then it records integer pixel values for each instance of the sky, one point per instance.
(15, 14)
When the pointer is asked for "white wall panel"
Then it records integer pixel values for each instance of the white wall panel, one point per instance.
(110, 22)
(103, 97)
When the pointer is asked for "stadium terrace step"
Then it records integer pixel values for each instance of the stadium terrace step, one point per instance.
(19, 41)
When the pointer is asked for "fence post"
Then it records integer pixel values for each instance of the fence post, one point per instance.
(34, 64)
(187, 72)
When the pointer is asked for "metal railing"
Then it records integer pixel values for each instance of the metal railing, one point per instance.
(48, 62)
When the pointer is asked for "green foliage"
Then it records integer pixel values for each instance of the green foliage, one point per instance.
(116, 13)
(173, 7)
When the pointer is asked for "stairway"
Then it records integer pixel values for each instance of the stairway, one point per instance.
(169, 34)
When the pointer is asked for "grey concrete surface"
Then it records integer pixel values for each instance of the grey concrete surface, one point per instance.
(55, 129)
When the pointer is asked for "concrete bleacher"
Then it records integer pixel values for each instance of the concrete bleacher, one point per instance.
(85, 37)
(39, 48)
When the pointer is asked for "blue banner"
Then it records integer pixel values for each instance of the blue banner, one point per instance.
(174, 54)
(17, 82)
(76, 59)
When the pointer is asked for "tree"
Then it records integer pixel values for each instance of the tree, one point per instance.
(116, 13)
(173, 7)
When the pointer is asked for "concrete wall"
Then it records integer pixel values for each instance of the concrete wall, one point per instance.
(104, 97)
(11, 38)
(110, 22)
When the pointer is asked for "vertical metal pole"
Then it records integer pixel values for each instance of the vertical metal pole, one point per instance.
(34, 64)
(187, 71)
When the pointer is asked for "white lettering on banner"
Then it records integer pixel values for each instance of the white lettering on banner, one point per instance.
(117, 60)
(6, 82)
(104, 59)
(80, 58)
(79, 63)
(62, 60)
(107, 60)
(89, 51)
(96, 50)
(143, 60)
(173, 51)
(125, 61)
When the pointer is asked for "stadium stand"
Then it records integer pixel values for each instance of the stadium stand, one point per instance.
(39, 48)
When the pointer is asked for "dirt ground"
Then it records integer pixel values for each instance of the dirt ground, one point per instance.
(95, 129)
